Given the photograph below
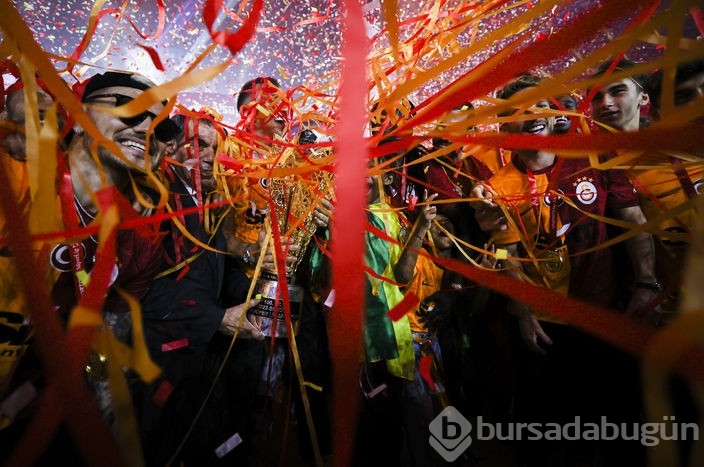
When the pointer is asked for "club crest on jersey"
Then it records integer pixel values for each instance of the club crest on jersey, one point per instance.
(585, 190)
(60, 258)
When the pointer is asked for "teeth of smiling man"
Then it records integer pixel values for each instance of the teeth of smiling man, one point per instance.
(133, 144)
(536, 129)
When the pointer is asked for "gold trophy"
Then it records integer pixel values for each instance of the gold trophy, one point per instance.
(294, 197)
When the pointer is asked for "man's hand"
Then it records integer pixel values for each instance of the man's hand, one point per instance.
(532, 333)
(322, 215)
(428, 211)
(231, 320)
(269, 260)
(488, 258)
(641, 308)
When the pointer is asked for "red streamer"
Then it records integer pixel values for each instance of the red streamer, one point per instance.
(408, 304)
(154, 55)
(160, 26)
(233, 41)
(425, 368)
(88, 36)
(345, 325)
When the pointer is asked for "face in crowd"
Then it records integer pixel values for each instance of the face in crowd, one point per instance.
(441, 240)
(452, 118)
(15, 142)
(689, 87)
(689, 90)
(542, 125)
(618, 103)
(129, 133)
(563, 123)
(263, 108)
(199, 140)
(376, 184)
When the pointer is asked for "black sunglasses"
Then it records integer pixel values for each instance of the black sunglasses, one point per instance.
(165, 131)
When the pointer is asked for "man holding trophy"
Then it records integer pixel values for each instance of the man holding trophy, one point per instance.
(278, 192)
(274, 203)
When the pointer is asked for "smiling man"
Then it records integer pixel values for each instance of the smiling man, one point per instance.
(534, 178)
(141, 150)
(664, 180)
(554, 240)
(94, 172)
(563, 123)
(87, 173)
(617, 104)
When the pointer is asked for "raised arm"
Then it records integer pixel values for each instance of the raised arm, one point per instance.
(406, 264)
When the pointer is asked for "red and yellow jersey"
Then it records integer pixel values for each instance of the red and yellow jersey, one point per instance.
(18, 190)
(535, 223)
(664, 188)
(580, 194)
(427, 279)
(492, 159)
(14, 326)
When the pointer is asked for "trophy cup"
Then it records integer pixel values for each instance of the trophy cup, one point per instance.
(293, 199)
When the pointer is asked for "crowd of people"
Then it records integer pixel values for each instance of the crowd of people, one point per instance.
(211, 281)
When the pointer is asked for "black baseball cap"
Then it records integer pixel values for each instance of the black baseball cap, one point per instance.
(165, 130)
(115, 78)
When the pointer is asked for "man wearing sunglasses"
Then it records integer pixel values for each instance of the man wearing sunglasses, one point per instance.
(141, 138)
(113, 164)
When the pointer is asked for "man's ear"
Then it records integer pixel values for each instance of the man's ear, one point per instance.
(644, 99)
(170, 147)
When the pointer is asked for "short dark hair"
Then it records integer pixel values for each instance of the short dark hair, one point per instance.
(623, 64)
(245, 93)
(180, 121)
(684, 72)
(524, 81)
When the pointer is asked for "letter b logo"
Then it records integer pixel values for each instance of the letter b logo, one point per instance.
(449, 434)
(450, 430)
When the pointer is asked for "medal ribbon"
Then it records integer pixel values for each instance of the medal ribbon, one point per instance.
(70, 217)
